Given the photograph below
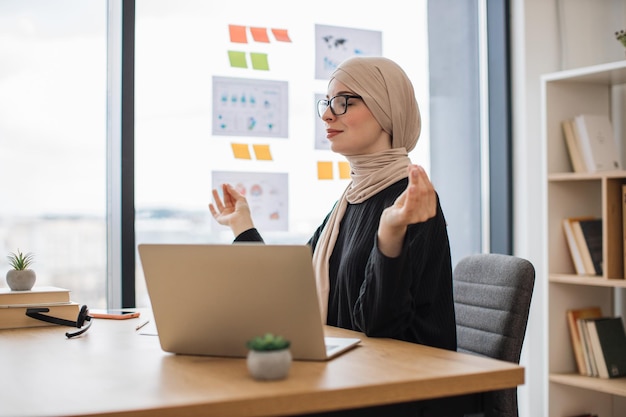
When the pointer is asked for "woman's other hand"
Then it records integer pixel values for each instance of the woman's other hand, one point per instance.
(416, 204)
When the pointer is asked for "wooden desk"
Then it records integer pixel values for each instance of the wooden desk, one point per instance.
(113, 371)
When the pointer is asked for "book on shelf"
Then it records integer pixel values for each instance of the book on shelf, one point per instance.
(590, 361)
(624, 225)
(588, 236)
(596, 142)
(592, 234)
(573, 316)
(608, 343)
(573, 244)
(573, 148)
(14, 316)
(36, 295)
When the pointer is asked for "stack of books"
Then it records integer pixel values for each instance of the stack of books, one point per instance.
(584, 239)
(599, 343)
(591, 143)
(13, 305)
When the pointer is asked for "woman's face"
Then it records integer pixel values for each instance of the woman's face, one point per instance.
(355, 132)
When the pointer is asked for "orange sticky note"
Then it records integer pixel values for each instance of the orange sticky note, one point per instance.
(237, 34)
(241, 150)
(281, 35)
(260, 35)
(262, 152)
(324, 170)
(344, 170)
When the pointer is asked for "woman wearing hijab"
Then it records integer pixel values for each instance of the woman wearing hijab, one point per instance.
(381, 256)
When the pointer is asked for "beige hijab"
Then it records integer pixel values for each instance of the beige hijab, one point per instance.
(389, 95)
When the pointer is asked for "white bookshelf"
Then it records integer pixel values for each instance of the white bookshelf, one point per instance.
(566, 94)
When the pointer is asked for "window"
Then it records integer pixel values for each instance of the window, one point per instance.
(53, 124)
(470, 123)
(52, 141)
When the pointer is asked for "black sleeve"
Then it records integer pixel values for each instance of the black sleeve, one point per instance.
(410, 297)
(250, 235)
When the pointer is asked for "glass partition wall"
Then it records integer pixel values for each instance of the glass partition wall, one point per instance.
(226, 92)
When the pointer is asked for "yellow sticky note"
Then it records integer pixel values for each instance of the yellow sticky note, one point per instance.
(237, 59)
(241, 150)
(344, 170)
(262, 152)
(259, 61)
(324, 170)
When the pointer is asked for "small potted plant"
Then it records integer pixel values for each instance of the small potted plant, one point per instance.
(20, 278)
(269, 357)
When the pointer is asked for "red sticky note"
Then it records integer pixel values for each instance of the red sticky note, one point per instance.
(260, 35)
(237, 34)
(281, 35)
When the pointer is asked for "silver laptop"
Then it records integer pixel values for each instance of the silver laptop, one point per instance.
(212, 299)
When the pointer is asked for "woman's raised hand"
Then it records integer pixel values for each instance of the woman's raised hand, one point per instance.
(233, 211)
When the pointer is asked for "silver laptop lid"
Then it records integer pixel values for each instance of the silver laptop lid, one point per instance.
(211, 299)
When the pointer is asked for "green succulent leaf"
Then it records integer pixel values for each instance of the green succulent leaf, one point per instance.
(268, 342)
(20, 261)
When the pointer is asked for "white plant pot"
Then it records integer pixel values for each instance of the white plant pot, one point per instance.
(269, 365)
(22, 280)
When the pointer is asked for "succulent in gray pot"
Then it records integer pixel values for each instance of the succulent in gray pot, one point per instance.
(21, 277)
(269, 357)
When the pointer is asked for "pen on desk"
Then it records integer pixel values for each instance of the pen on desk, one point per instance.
(142, 324)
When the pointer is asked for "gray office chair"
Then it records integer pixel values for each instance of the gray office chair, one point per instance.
(492, 294)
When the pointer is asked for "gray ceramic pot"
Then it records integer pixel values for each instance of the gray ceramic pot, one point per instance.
(22, 280)
(269, 365)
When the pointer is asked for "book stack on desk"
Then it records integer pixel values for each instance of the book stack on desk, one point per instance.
(13, 305)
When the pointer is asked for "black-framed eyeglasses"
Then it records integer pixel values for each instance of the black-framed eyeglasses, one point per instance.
(83, 317)
(338, 104)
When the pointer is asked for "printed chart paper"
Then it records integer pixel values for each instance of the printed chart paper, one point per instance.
(335, 44)
(249, 107)
(266, 193)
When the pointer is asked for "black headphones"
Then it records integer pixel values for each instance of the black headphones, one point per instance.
(83, 316)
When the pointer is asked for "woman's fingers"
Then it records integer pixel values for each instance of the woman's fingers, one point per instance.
(218, 201)
(420, 203)
(230, 195)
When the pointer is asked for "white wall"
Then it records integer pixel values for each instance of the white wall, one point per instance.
(543, 41)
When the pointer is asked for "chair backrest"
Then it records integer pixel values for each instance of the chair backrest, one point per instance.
(492, 294)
